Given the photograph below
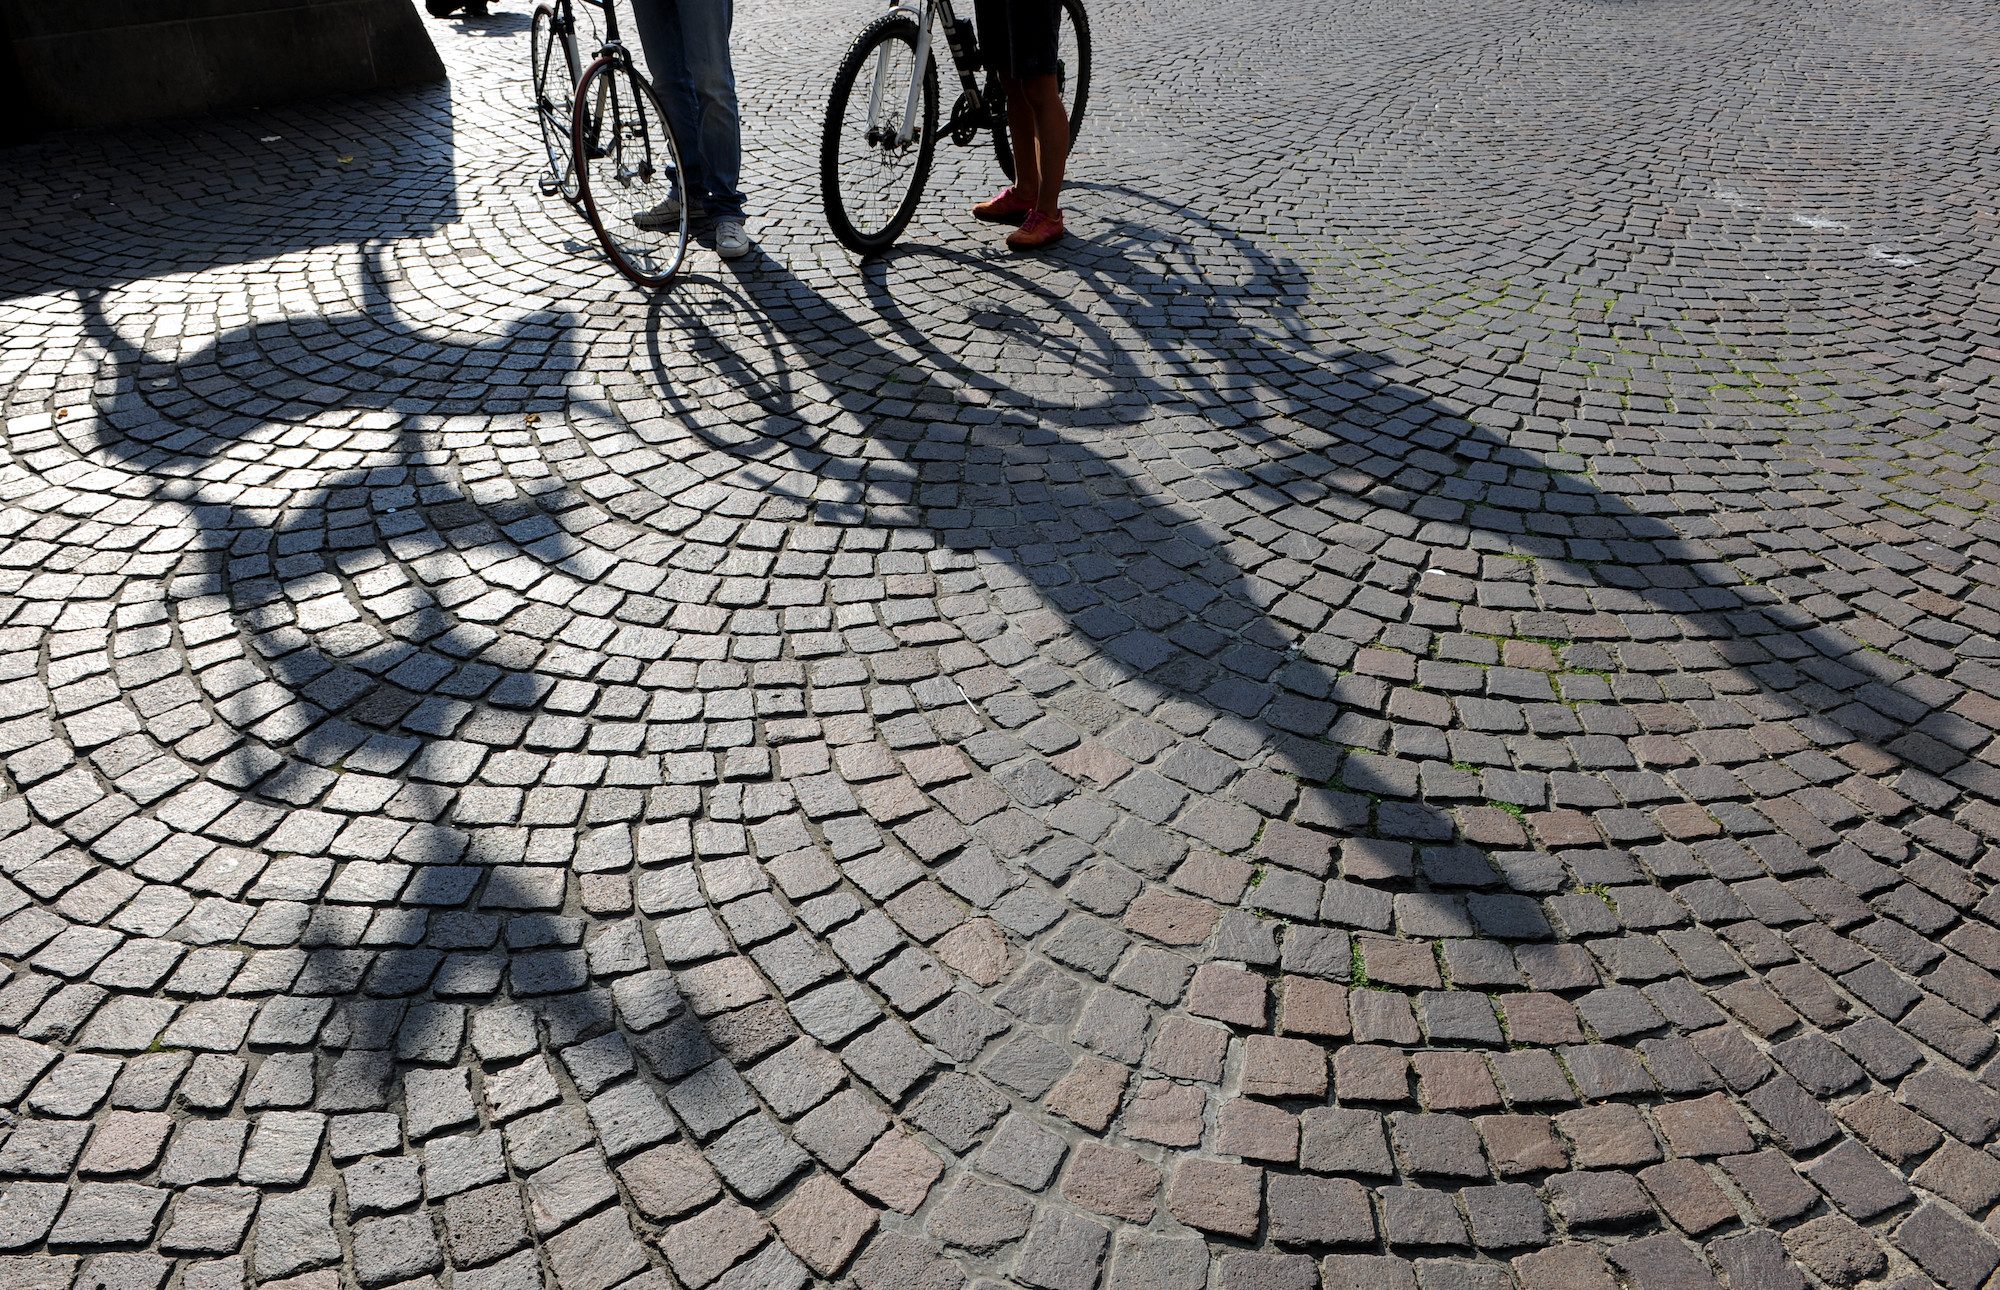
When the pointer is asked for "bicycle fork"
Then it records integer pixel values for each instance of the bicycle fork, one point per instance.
(913, 100)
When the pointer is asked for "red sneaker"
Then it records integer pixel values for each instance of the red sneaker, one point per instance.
(1036, 232)
(1007, 206)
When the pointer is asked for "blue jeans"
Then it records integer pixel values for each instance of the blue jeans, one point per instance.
(687, 47)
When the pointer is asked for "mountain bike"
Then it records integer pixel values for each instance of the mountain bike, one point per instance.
(610, 150)
(882, 126)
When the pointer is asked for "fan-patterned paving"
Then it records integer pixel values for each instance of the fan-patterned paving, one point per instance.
(1412, 709)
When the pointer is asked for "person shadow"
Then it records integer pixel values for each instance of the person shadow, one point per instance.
(1433, 477)
(1567, 744)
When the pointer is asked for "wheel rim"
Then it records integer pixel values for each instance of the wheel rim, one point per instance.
(631, 167)
(1069, 63)
(877, 173)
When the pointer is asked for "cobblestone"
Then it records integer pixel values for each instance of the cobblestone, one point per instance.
(1415, 716)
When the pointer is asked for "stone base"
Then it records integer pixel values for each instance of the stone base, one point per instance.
(108, 62)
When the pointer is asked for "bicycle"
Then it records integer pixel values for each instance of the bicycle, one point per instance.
(611, 152)
(894, 123)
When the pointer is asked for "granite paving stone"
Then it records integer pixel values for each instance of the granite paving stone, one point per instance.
(100, 1214)
(1409, 707)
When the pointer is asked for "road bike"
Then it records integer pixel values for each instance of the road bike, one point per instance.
(882, 119)
(611, 152)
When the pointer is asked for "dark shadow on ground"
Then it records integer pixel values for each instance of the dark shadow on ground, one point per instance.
(1286, 470)
(495, 22)
(1280, 474)
(92, 209)
(1234, 605)
(216, 435)
(389, 712)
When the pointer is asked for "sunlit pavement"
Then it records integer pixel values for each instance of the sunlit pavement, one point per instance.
(1412, 707)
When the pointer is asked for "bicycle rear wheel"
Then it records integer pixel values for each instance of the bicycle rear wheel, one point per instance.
(629, 167)
(870, 176)
(553, 71)
(1072, 80)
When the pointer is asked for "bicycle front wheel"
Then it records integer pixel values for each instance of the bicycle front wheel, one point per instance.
(875, 152)
(553, 72)
(1072, 80)
(630, 172)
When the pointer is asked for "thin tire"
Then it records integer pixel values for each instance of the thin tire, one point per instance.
(628, 164)
(1072, 71)
(868, 202)
(553, 81)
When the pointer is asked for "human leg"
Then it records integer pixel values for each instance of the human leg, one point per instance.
(1027, 143)
(1018, 38)
(663, 39)
(1047, 124)
(994, 21)
(718, 131)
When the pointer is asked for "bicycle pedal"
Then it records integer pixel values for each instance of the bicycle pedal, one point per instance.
(549, 186)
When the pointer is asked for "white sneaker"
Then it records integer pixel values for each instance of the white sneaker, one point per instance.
(666, 215)
(731, 241)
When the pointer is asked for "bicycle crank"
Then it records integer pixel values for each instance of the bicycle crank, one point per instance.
(966, 117)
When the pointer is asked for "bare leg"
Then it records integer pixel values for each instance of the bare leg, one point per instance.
(1051, 136)
(1021, 129)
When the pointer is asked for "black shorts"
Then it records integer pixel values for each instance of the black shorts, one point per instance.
(1018, 37)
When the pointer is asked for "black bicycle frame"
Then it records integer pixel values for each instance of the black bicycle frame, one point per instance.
(564, 22)
(963, 42)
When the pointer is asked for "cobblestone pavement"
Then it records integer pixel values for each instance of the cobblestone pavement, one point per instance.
(1414, 708)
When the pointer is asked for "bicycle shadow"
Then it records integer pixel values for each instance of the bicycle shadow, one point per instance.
(1375, 448)
(334, 687)
(1228, 534)
(286, 514)
(1283, 589)
(1142, 556)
